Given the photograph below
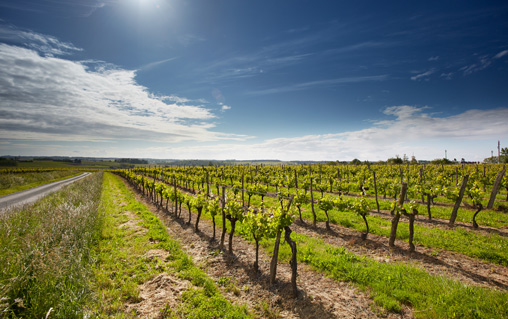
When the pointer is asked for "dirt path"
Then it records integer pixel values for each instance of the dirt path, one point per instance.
(320, 297)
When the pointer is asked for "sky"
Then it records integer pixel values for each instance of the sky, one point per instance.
(254, 79)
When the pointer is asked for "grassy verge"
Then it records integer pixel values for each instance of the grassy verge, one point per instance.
(12, 183)
(122, 265)
(45, 253)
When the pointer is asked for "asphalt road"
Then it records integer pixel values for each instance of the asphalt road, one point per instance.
(29, 196)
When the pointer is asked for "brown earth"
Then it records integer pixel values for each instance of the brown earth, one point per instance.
(434, 261)
(319, 296)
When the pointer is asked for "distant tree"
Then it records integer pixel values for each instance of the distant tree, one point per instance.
(441, 161)
(504, 155)
(356, 162)
(396, 160)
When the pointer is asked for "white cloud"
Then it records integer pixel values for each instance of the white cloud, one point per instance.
(44, 44)
(319, 83)
(156, 63)
(483, 62)
(48, 98)
(225, 107)
(412, 130)
(447, 76)
(434, 58)
(424, 75)
(501, 54)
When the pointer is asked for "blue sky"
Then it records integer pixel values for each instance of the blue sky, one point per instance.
(229, 79)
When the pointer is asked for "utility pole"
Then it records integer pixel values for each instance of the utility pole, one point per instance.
(445, 155)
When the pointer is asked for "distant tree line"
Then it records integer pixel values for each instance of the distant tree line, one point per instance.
(131, 161)
(7, 162)
(62, 160)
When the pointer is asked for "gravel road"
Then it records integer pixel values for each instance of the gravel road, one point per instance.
(29, 196)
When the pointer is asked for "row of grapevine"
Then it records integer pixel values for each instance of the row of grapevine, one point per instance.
(298, 182)
(421, 179)
(262, 222)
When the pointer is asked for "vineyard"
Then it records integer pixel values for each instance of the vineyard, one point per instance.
(434, 210)
(306, 241)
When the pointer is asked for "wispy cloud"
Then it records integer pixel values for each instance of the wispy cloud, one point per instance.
(249, 65)
(18, 5)
(155, 64)
(288, 52)
(319, 83)
(44, 44)
(501, 54)
(81, 8)
(423, 76)
(188, 39)
(368, 45)
(482, 63)
(49, 98)
(447, 76)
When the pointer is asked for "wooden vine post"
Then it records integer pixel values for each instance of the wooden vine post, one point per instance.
(375, 189)
(396, 216)
(176, 198)
(459, 200)
(207, 185)
(312, 205)
(243, 189)
(421, 183)
(223, 235)
(495, 188)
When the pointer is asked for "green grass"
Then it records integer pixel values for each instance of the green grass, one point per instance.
(12, 183)
(121, 266)
(486, 217)
(489, 247)
(45, 253)
(393, 285)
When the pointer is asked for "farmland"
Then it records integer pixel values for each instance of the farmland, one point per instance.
(292, 241)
